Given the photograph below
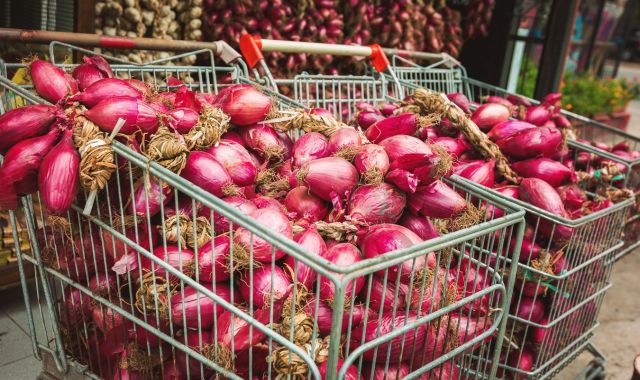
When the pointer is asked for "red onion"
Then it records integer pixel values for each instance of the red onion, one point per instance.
(437, 200)
(58, 178)
(22, 162)
(321, 112)
(426, 294)
(50, 81)
(193, 309)
(477, 171)
(104, 89)
(233, 136)
(287, 144)
(343, 254)
(387, 109)
(622, 145)
(387, 372)
(176, 257)
(324, 316)
(412, 341)
(143, 88)
(75, 307)
(264, 140)
(137, 114)
(213, 260)
(266, 285)
(519, 100)
(499, 100)
(403, 124)
(25, 122)
(220, 222)
(384, 238)
(203, 170)
(537, 334)
(350, 374)
(186, 98)
(244, 104)
(8, 196)
(419, 225)
(403, 179)
(197, 341)
(144, 337)
(428, 134)
(93, 69)
(262, 249)
(537, 115)
(233, 331)
(530, 143)
(552, 172)
(261, 202)
(401, 145)
(508, 128)
(490, 114)
(561, 121)
(523, 360)
(183, 119)
(540, 194)
(367, 118)
(573, 197)
(375, 204)
(312, 243)
(235, 158)
(110, 322)
(343, 143)
(455, 147)
(529, 309)
(385, 296)
(372, 162)
(126, 258)
(148, 197)
(308, 147)
(460, 100)
(552, 99)
(305, 205)
(103, 284)
(329, 177)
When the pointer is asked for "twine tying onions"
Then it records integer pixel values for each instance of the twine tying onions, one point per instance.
(168, 149)
(211, 124)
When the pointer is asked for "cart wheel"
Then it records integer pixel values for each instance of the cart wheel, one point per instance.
(596, 372)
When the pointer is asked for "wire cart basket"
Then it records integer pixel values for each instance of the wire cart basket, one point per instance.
(79, 326)
(589, 245)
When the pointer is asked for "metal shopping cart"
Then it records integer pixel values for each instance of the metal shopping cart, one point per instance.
(592, 242)
(78, 327)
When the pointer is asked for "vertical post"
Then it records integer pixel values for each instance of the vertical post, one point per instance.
(560, 27)
(84, 15)
(594, 35)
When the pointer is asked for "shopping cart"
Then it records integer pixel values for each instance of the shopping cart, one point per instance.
(81, 327)
(593, 242)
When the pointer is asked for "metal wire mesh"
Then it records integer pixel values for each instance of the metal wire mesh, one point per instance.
(445, 284)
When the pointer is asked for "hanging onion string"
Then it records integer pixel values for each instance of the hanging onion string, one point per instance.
(285, 121)
(211, 124)
(168, 149)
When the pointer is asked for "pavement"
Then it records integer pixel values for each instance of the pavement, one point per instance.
(618, 336)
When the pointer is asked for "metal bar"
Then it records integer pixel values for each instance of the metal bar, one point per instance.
(594, 35)
(315, 48)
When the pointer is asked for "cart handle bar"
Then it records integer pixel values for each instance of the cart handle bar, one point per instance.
(220, 48)
(253, 46)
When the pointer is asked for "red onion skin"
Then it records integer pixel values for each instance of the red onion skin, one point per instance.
(419, 225)
(552, 99)
(183, 119)
(437, 200)
(321, 112)
(235, 158)
(287, 144)
(508, 128)
(110, 322)
(403, 179)
(244, 104)
(384, 238)
(490, 114)
(308, 147)
(540, 194)
(401, 145)
(220, 222)
(58, 178)
(480, 172)
(313, 243)
(265, 280)
(324, 315)
(189, 305)
(106, 88)
(233, 136)
(93, 69)
(195, 340)
(203, 170)
(51, 82)
(149, 197)
(499, 100)
(537, 115)
(262, 250)
(343, 138)
(213, 260)
(186, 98)
(137, 114)
(367, 118)
(455, 147)
(460, 100)
(305, 205)
(25, 122)
(383, 296)
(343, 254)
(371, 157)
(403, 124)
(143, 88)
(8, 196)
(144, 337)
(116, 249)
(263, 202)
(622, 146)
(537, 334)
(330, 177)
(528, 309)
(413, 341)
(242, 334)
(351, 373)
(469, 328)
(22, 162)
(552, 172)
(523, 360)
(530, 143)
(375, 204)
(263, 139)
(76, 307)
(176, 257)
(387, 372)
(103, 284)
(387, 109)
(427, 134)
